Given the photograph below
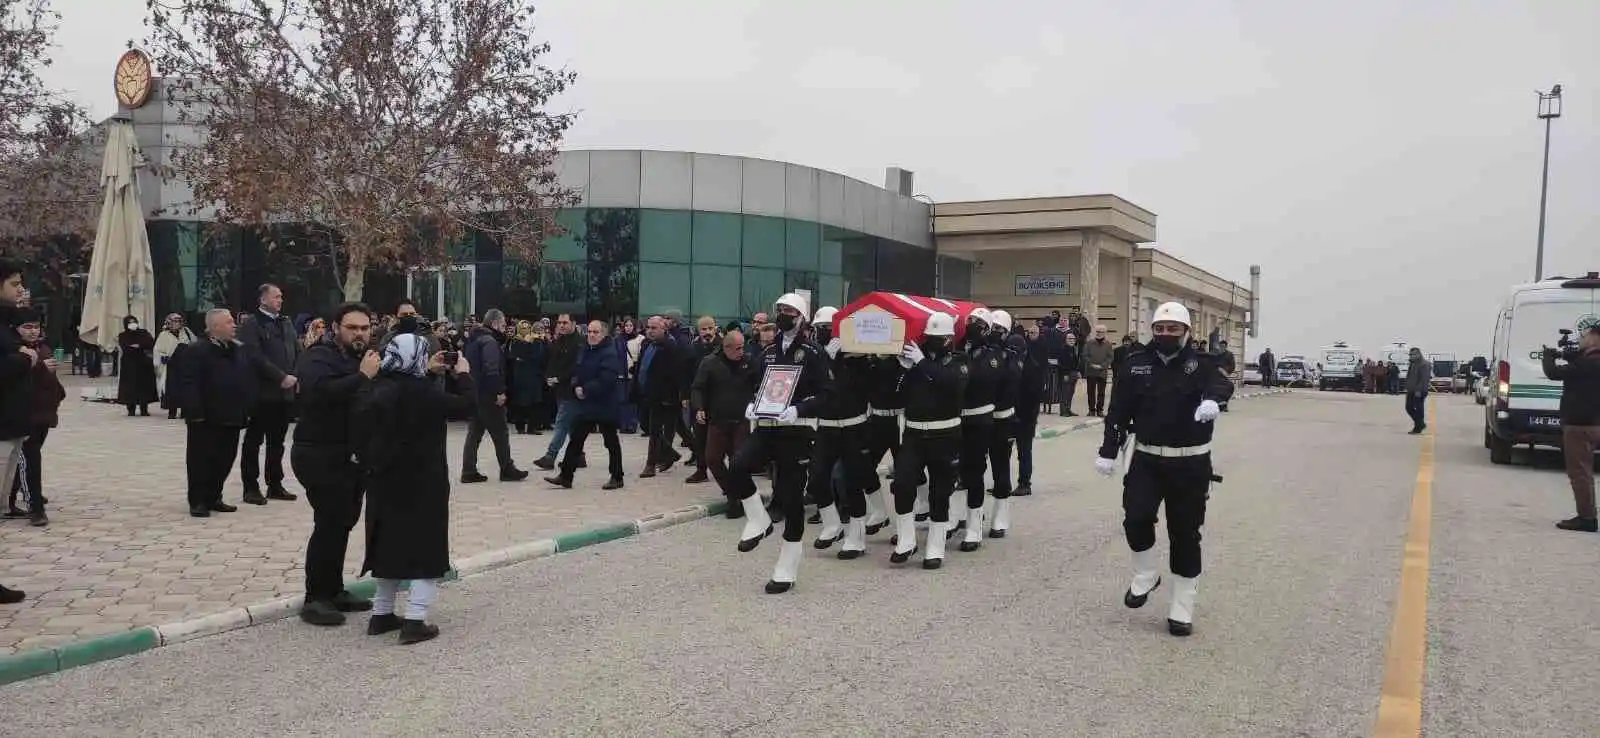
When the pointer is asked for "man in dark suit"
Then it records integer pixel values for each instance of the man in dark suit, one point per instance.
(219, 382)
(662, 389)
(269, 334)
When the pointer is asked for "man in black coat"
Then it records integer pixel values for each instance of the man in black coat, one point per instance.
(663, 390)
(219, 382)
(269, 334)
(16, 400)
(563, 357)
(331, 374)
(488, 364)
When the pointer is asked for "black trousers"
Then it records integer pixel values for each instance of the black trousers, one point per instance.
(1066, 387)
(1181, 484)
(976, 432)
(270, 423)
(788, 452)
(490, 418)
(1000, 456)
(847, 446)
(581, 429)
(1097, 393)
(663, 425)
(1024, 430)
(30, 483)
(1414, 408)
(334, 487)
(699, 448)
(208, 459)
(883, 437)
(933, 452)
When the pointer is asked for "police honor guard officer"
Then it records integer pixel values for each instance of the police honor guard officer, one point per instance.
(784, 442)
(1008, 385)
(977, 420)
(934, 385)
(841, 439)
(886, 405)
(1167, 395)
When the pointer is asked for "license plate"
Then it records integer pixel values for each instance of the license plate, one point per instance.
(1543, 421)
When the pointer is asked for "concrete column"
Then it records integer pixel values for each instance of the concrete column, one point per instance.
(1089, 276)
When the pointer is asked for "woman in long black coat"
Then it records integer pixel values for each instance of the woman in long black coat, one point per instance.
(527, 353)
(403, 417)
(136, 384)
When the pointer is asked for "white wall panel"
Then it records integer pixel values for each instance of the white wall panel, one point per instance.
(666, 180)
(572, 172)
(718, 183)
(763, 187)
(858, 205)
(881, 215)
(614, 179)
(830, 204)
(800, 192)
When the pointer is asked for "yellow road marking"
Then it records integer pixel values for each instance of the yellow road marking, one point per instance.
(1405, 658)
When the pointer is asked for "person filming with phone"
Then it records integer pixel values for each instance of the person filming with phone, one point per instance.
(1579, 374)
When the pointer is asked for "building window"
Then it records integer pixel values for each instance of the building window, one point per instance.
(904, 268)
(716, 238)
(519, 289)
(831, 259)
(569, 244)
(763, 241)
(955, 277)
(716, 291)
(563, 288)
(759, 289)
(666, 236)
(611, 235)
(830, 290)
(797, 280)
(613, 290)
(860, 260)
(802, 245)
(663, 287)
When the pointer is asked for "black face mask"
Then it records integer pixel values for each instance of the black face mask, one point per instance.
(1166, 344)
(785, 322)
(997, 338)
(933, 344)
(824, 333)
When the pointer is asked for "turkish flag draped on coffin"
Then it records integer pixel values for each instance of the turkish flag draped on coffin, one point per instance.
(905, 316)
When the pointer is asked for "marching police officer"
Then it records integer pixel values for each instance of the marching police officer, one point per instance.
(1168, 394)
(886, 405)
(841, 439)
(1008, 385)
(782, 440)
(934, 384)
(977, 420)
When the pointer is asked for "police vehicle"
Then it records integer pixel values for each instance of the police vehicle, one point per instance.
(1521, 405)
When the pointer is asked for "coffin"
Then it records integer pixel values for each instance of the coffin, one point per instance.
(882, 322)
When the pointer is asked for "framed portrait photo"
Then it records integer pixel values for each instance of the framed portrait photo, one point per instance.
(777, 389)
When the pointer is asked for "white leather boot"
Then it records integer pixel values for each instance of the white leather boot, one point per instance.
(788, 568)
(855, 539)
(757, 523)
(1002, 518)
(1146, 577)
(1180, 618)
(905, 542)
(832, 529)
(934, 558)
(974, 537)
(877, 512)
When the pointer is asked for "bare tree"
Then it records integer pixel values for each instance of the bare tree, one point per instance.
(400, 125)
(49, 157)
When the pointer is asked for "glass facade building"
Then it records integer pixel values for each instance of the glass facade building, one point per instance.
(653, 231)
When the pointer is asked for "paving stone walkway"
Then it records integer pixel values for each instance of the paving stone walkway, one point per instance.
(121, 550)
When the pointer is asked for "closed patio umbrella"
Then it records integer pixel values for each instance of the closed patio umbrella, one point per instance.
(121, 280)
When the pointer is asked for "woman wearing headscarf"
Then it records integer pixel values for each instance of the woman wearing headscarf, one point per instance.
(403, 417)
(313, 332)
(527, 352)
(173, 334)
(136, 384)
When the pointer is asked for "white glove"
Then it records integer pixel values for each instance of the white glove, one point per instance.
(750, 412)
(912, 353)
(1105, 467)
(789, 415)
(833, 348)
(1207, 412)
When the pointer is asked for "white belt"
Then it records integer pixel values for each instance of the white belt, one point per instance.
(1006, 413)
(1173, 451)
(775, 423)
(846, 423)
(887, 412)
(933, 425)
(979, 410)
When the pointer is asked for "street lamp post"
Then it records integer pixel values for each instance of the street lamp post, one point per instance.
(1549, 110)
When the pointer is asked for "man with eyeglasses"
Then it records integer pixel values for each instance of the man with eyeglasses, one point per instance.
(331, 372)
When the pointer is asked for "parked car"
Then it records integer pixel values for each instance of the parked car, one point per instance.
(1252, 373)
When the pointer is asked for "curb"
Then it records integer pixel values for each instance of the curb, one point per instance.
(38, 662)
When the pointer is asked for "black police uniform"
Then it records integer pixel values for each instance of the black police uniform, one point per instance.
(933, 390)
(1007, 389)
(887, 404)
(1157, 397)
(842, 437)
(977, 415)
(786, 447)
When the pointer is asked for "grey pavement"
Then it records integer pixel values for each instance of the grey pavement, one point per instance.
(670, 634)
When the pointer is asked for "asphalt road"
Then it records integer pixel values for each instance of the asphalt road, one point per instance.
(670, 634)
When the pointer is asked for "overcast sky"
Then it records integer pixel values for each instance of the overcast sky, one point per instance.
(1379, 160)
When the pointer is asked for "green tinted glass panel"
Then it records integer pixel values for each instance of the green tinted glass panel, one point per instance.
(716, 290)
(798, 280)
(830, 290)
(802, 241)
(832, 257)
(763, 241)
(569, 244)
(563, 288)
(665, 235)
(759, 289)
(716, 238)
(663, 287)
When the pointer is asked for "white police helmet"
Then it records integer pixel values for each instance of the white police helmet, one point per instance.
(1171, 312)
(824, 316)
(794, 301)
(982, 314)
(1002, 319)
(940, 324)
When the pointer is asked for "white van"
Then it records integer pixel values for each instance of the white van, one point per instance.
(1522, 404)
(1341, 367)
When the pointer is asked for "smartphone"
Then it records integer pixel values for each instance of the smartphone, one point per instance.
(450, 358)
